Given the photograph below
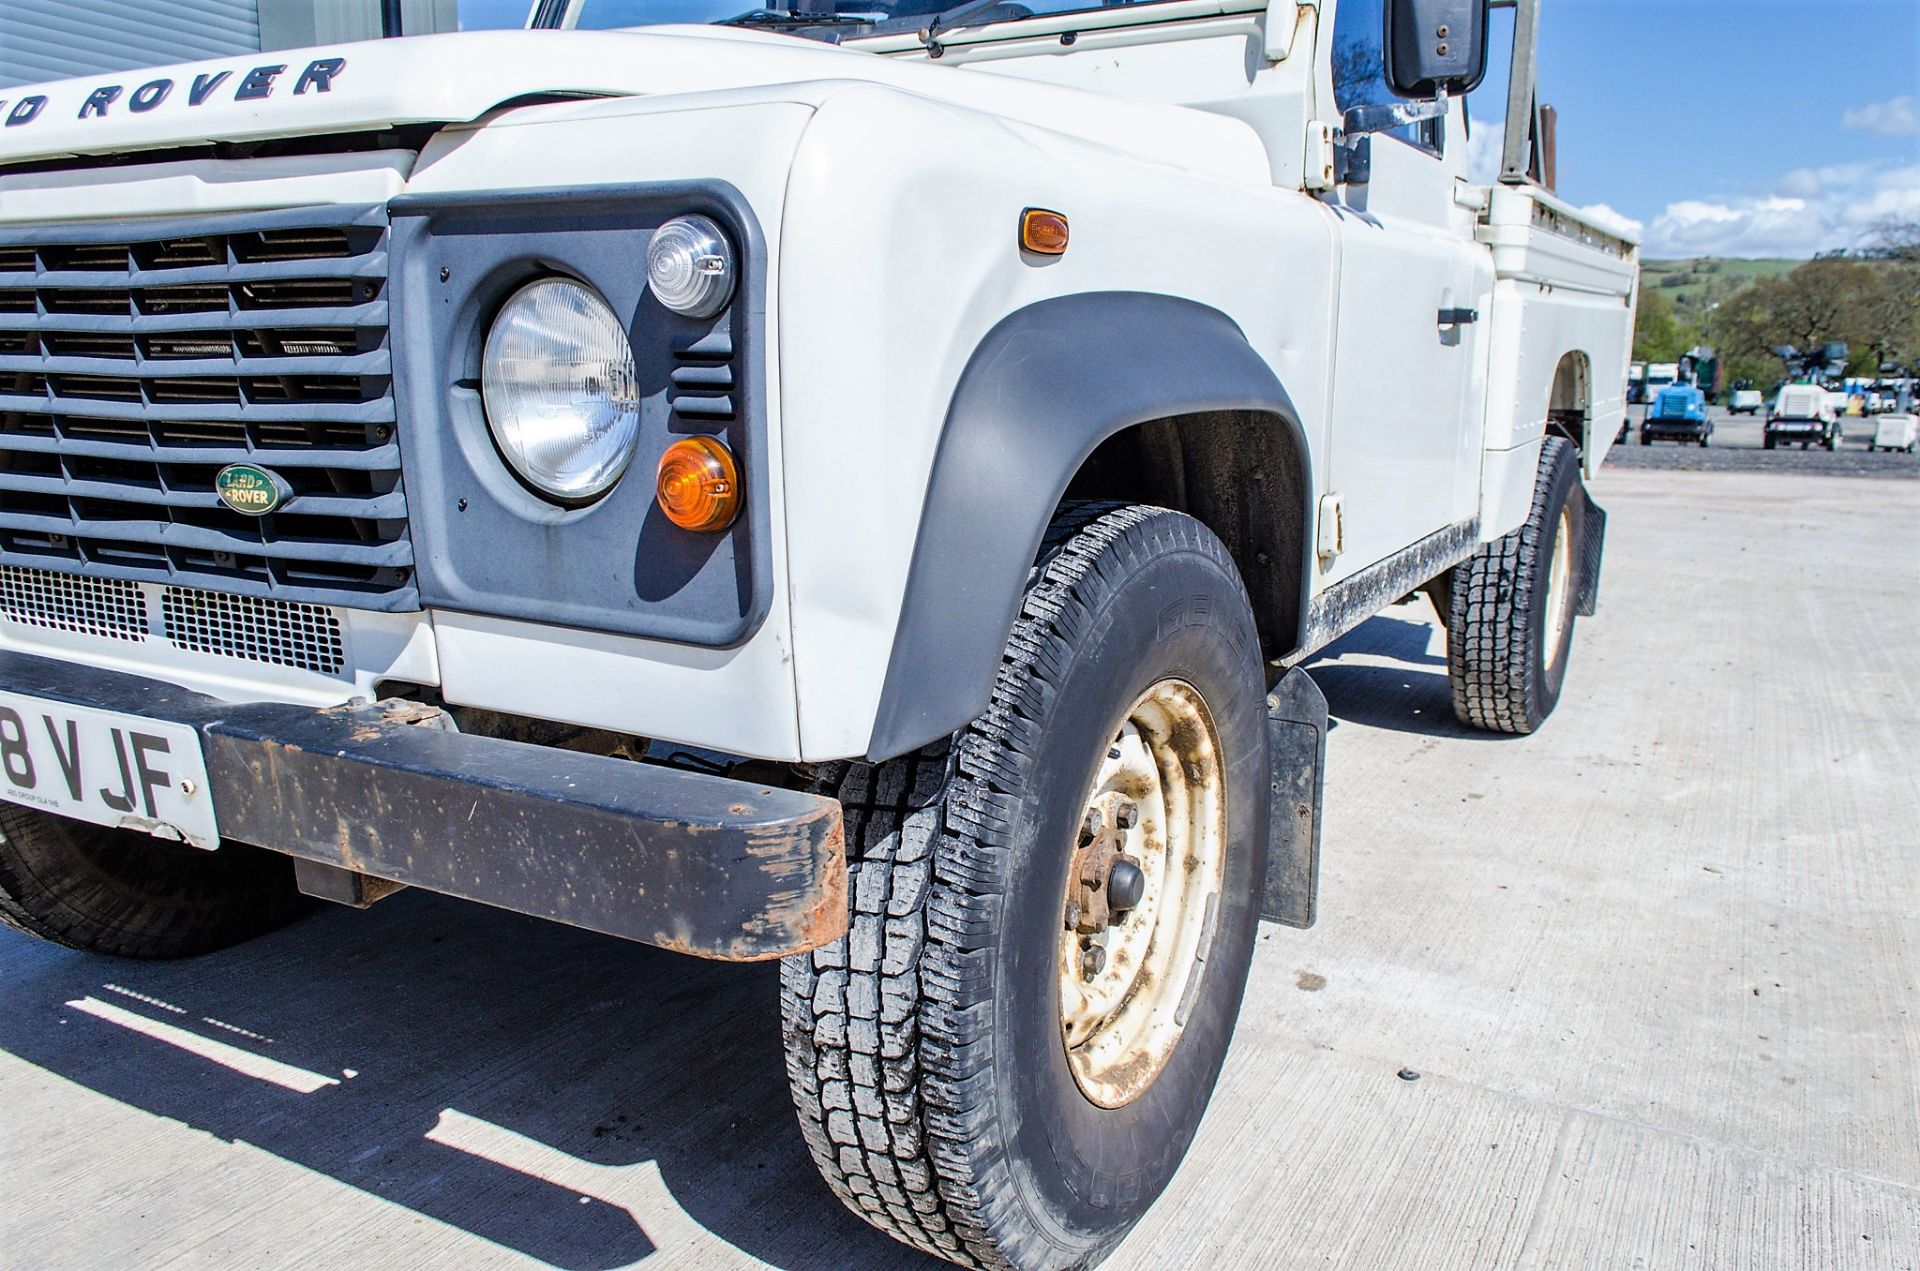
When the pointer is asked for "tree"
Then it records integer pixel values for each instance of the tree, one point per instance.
(1896, 239)
(1859, 303)
(1658, 335)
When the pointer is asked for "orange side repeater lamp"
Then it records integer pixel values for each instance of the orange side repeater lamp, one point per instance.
(1043, 232)
(698, 485)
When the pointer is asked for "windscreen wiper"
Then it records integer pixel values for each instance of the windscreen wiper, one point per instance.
(960, 15)
(785, 18)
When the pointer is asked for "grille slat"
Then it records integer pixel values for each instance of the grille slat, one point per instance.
(376, 364)
(152, 354)
(55, 435)
(372, 315)
(161, 534)
(370, 268)
(376, 507)
(378, 411)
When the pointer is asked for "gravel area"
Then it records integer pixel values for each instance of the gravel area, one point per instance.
(1736, 448)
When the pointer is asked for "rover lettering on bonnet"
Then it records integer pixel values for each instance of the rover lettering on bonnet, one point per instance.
(255, 84)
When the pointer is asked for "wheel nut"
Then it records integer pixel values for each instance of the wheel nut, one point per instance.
(1093, 960)
(1126, 885)
(1127, 815)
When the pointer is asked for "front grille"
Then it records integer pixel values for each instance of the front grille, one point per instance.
(304, 636)
(138, 360)
(64, 602)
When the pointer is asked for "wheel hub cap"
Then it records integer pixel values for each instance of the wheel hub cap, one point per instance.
(1142, 892)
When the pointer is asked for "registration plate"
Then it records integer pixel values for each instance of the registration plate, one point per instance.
(105, 767)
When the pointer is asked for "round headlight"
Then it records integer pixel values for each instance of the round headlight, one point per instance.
(559, 387)
(690, 266)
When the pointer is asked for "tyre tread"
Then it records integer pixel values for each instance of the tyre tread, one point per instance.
(888, 1035)
(1491, 653)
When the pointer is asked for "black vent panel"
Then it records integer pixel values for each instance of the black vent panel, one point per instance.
(138, 360)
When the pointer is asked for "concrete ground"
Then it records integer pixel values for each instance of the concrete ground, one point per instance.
(1655, 969)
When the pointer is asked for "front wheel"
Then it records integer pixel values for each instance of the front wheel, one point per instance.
(1004, 1060)
(132, 895)
(1511, 626)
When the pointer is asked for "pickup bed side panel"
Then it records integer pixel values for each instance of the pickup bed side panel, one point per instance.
(1563, 296)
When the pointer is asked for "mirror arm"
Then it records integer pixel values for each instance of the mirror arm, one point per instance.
(1383, 116)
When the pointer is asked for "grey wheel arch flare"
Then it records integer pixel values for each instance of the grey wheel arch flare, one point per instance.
(1045, 387)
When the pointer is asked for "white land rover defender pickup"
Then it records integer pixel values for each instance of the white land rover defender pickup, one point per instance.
(851, 484)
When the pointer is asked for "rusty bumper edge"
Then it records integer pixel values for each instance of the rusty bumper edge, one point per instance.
(694, 863)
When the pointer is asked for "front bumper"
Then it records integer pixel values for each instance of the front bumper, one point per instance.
(1798, 428)
(686, 861)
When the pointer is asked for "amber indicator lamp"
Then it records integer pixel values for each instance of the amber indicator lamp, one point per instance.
(1043, 232)
(698, 485)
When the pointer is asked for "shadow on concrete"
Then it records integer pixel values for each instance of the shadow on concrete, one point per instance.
(432, 1013)
(1408, 694)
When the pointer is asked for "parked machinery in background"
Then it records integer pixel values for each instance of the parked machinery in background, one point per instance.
(1679, 413)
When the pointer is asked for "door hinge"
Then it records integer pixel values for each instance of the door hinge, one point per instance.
(1318, 173)
(1330, 536)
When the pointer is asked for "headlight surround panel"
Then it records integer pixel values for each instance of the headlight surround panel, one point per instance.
(485, 540)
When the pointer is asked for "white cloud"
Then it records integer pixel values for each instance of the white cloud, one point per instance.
(1608, 219)
(1810, 210)
(1897, 117)
(1484, 152)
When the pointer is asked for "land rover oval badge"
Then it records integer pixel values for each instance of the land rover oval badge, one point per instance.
(250, 490)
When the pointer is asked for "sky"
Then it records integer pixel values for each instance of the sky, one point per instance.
(1720, 127)
(1731, 127)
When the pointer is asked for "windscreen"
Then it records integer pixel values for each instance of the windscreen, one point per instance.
(829, 18)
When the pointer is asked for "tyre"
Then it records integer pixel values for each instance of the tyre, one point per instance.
(135, 896)
(1644, 439)
(1766, 443)
(1511, 629)
(1002, 1062)
(1833, 442)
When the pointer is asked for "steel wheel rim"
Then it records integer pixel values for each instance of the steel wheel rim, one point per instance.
(1559, 584)
(1121, 1024)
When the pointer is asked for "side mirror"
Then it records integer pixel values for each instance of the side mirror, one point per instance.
(1435, 46)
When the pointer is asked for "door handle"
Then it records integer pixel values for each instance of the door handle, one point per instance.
(1458, 317)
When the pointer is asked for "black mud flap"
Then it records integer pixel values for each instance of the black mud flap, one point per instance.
(1593, 540)
(1297, 740)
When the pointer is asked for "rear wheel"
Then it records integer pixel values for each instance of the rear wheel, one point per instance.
(129, 894)
(1005, 1059)
(1511, 626)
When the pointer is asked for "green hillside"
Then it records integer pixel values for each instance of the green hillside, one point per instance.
(1694, 285)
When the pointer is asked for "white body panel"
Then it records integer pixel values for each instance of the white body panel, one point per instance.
(888, 190)
(1894, 432)
(1806, 401)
